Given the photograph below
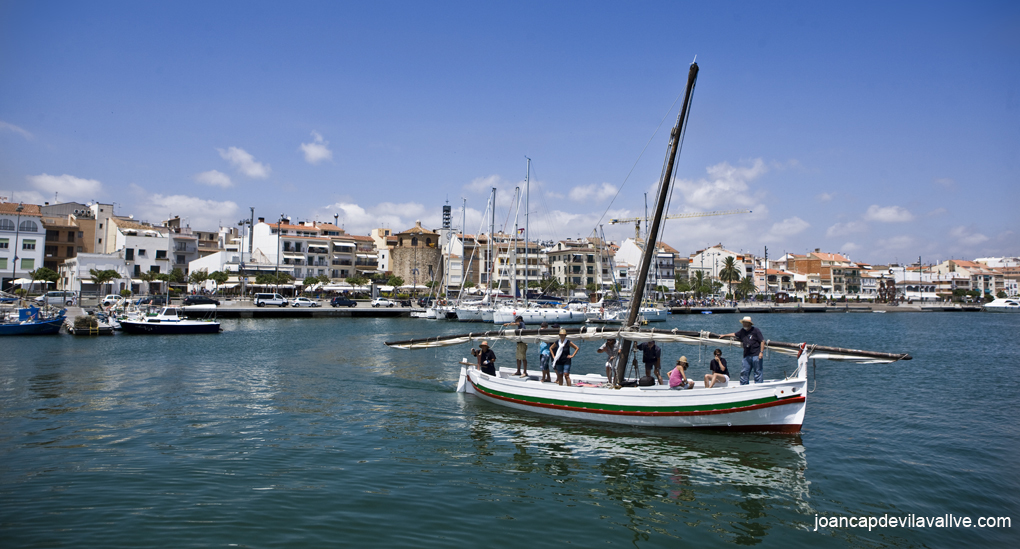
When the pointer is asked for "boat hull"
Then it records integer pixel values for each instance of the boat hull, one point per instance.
(163, 328)
(776, 406)
(46, 327)
(538, 316)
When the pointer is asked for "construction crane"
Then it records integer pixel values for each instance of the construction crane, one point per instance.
(637, 220)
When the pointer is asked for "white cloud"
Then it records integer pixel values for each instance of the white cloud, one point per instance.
(896, 242)
(843, 229)
(196, 212)
(726, 186)
(214, 178)
(825, 197)
(967, 236)
(483, 184)
(317, 150)
(946, 183)
(594, 192)
(888, 214)
(849, 247)
(69, 187)
(16, 129)
(245, 163)
(785, 228)
(937, 211)
(28, 197)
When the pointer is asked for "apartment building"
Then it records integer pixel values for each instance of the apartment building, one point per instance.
(22, 241)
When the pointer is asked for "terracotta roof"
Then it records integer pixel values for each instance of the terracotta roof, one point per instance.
(417, 229)
(125, 223)
(27, 209)
(361, 237)
(830, 257)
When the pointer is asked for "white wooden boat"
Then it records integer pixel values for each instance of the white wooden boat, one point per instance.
(774, 405)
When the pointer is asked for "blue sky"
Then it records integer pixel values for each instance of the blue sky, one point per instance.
(886, 132)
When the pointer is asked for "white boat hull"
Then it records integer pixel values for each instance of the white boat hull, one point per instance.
(469, 314)
(770, 406)
(538, 315)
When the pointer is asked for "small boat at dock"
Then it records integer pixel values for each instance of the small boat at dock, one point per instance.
(170, 320)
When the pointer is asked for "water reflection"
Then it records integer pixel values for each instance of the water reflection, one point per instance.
(654, 481)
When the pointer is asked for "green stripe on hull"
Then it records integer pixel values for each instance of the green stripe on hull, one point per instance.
(592, 406)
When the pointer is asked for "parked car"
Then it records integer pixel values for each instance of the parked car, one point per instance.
(343, 302)
(111, 300)
(425, 301)
(383, 302)
(304, 302)
(199, 300)
(261, 300)
(57, 297)
(153, 300)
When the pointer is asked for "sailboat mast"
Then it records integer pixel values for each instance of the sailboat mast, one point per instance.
(653, 230)
(527, 210)
(492, 230)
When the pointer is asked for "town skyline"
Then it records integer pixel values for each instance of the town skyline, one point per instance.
(902, 144)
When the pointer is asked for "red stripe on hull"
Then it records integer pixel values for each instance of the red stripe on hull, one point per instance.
(791, 400)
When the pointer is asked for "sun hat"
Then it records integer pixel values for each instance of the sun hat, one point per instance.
(682, 359)
(483, 344)
(563, 331)
(746, 319)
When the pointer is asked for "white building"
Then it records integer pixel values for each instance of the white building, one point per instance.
(22, 236)
(75, 274)
(662, 271)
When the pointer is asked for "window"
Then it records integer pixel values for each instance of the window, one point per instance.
(80, 249)
(154, 269)
(52, 234)
(129, 254)
(160, 254)
(100, 241)
(6, 225)
(81, 234)
(138, 270)
(100, 225)
(4, 243)
(70, 251)
(29, 226)
(28, 244)
(180, 259)
(414, 240)
(3, 262)
(28, 264)
(51, 251)
(70, 236)
(141, 252)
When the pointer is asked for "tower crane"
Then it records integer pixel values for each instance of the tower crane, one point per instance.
(637, 220)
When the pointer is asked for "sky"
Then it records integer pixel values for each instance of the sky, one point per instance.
(884, 131)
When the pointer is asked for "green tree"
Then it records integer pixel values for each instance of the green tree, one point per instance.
(357, 280)
(284, 278)
(45, 274)
(147, 277)
(265, 279)
(311, 280)
(100, 278)
(729, 273)
(324, 279)
(469, 284)
(683, 286)
(699, 283)
(177, 276)
(746, 286)
(219, 277)
(592, 287)
(395, 281)
(198, 277)
(1001, 294)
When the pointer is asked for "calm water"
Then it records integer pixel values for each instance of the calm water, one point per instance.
(312, 432)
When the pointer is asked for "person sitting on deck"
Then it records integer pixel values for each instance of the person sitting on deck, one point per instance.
(678, 376)
(719, 373)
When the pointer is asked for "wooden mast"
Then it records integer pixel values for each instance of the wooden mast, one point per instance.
(653, 230)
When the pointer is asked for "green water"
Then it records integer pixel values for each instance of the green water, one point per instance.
(305, 433)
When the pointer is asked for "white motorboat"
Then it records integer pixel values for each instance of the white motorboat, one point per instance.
(537, 315)
(1003, 305)
(170, 320)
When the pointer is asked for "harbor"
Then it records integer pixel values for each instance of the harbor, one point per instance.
(278, 428)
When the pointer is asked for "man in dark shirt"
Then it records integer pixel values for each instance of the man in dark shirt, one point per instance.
(651, 355)
(751, 339)
(487, 359)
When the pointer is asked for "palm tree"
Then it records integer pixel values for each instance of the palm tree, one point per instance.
(746, 286)
(103, 277)
(699, 282)
(147, 277)
(729, 273)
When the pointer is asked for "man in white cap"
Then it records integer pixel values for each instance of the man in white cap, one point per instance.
(751, 338)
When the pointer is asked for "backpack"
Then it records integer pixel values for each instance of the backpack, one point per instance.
(646, 381)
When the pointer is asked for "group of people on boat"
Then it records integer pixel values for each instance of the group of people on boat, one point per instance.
(558, 355)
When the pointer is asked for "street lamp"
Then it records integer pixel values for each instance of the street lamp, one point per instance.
(17, 232)
(279, 244)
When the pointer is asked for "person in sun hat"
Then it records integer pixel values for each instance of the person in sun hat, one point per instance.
(751, 339)
(678, 376)
(487, 359)
(719, 373)
(561, 357)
